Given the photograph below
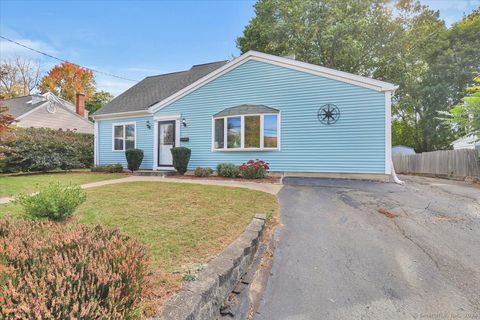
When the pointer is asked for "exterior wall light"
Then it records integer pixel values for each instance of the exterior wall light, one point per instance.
(184, 122)
(149, 125)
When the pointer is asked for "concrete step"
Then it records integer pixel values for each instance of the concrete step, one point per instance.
(155, 173)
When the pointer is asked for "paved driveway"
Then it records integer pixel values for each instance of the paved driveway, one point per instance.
(337, 257)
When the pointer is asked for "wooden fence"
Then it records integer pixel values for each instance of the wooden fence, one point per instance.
(448, 163)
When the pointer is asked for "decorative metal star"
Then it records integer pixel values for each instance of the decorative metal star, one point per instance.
(328, 113)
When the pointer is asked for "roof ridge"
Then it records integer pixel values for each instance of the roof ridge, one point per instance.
(27, 95)
(203, 64)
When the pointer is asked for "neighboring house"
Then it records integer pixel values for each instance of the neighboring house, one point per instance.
(48, 111)
(402, 150)
(467, 142)
(296, 116)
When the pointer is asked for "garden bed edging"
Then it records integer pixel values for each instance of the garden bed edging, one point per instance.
(201, 299)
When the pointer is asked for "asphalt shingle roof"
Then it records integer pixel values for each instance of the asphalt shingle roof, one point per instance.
(157, 88)
(18, 106)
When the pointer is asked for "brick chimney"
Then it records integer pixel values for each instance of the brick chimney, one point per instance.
(80, 104)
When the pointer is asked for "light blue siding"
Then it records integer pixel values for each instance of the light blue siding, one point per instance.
(355, 144)
(144, 141)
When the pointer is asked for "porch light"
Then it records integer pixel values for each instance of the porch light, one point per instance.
(184, 122)
(149, 125)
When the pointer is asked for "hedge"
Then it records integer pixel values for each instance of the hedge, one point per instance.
(40, 149)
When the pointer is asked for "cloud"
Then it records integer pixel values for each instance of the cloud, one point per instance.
(9, 49)
(112, 85)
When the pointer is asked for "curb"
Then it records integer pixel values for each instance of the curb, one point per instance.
(202, 298)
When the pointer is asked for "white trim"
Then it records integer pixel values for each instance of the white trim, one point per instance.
(96, 154)
(242, 133)
(119, 115)
(176, 116)
(388, 132)
(369, 83)
(156, 120)
(114, 124)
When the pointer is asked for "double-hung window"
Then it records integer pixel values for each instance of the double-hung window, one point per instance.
(123, 136)
(250, 132)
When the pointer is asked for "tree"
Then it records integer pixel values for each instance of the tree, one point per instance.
(412, 47)
(67, 79)
(465, 116)
(5, 129)
(18, 77)
(98, 100)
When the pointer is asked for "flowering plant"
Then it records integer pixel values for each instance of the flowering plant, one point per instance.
(254, 169)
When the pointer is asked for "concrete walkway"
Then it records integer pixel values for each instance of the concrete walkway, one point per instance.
(265, 187)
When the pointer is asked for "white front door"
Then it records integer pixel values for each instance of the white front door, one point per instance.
(166, 141)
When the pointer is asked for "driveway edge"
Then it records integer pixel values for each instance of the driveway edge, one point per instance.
(202, 298)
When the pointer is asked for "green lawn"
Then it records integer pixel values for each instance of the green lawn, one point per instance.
(13, 185)
(181, 224)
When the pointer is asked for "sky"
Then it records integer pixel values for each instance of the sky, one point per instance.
(135, 39)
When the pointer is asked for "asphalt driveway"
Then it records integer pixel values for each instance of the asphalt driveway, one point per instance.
(338, 257)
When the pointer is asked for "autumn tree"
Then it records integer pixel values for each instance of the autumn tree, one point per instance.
(5, 128)
(66, 79)
(18, 77)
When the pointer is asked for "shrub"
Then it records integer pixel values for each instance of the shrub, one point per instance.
(203, 172)
(68, 271)
(254, 169)
(181, 157)
(110, 168)
(40, 149)
(55, 202)
(134, 158)
(228, 170)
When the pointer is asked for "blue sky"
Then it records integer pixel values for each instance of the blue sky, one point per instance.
(135, 39)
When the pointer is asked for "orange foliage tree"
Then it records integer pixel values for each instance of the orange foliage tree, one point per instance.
(66, 79)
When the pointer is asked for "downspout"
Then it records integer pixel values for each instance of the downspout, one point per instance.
(394, 175)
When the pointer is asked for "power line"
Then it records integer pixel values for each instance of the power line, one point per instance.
(62, 60)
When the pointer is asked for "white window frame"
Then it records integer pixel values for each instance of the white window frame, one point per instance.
(117, 124)
(242, 133)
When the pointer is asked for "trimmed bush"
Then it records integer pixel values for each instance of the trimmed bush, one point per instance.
(254, 169)
(134, 158)
(203, 172)
(181, 157)
(40, 149)
(55, 202)
(68, 271)
(228, 170)
(110, 168)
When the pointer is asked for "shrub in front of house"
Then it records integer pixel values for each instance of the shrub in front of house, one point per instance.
(40, 149)
(254, 169)
(68, 271)
(228, 170)
(55, 202)
(134, 159)
(203, 172)
(181, 157)
(108, 168)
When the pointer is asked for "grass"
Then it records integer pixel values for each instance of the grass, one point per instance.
(182, 225)
(12, 185)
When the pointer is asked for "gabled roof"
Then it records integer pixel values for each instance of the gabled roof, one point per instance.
(156, 88)
(155, 93)
(20, 105)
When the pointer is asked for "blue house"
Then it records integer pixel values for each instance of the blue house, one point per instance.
(299, 117)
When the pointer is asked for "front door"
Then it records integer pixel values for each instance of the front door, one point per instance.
(166, 141)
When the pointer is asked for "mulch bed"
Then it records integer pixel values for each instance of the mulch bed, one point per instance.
(192, 177)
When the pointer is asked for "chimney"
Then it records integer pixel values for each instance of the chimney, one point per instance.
(80, 104)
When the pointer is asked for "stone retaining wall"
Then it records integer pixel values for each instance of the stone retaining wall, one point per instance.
(201, 299)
